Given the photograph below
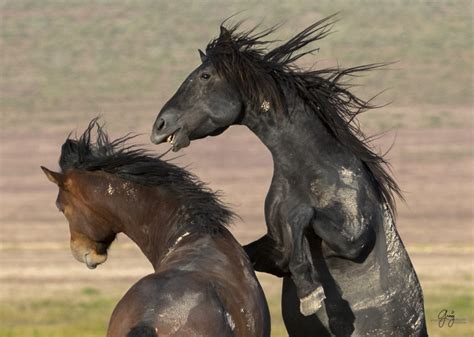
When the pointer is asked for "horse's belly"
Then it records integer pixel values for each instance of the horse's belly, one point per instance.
(383, 294)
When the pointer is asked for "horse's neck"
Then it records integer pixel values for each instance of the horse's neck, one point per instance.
(156, 234)
(294, 138)
(193, 250)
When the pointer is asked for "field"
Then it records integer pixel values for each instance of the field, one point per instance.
(64, 62)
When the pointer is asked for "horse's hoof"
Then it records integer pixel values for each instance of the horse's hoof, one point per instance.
(313, 302)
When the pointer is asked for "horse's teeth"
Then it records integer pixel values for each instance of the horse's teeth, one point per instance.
(169, 139)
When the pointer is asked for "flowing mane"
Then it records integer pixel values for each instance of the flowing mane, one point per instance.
(262, 74)
(137, 165)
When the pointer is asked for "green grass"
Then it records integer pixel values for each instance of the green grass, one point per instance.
(459, 299)
(85, 313)
(70, 60)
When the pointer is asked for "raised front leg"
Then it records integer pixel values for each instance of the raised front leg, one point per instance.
(304, 274)
(267, 257)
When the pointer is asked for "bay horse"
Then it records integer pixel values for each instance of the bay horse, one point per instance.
(330, 209)
(203, 284)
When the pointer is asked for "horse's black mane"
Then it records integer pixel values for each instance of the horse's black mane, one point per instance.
(137, 165)
(261, 75)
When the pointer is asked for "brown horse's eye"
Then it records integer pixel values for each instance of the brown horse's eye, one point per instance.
(205, 76)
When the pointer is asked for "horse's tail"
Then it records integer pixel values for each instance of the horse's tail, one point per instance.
(142, 331)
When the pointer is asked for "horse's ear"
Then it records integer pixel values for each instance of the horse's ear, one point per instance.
(202, 55)
(224, 33)
(54, 177)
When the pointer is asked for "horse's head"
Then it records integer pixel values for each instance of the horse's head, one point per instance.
(91, 232)
(204, 105)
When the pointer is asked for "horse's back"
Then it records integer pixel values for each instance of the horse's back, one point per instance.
(172, 304)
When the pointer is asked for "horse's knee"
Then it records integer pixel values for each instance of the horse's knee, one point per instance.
(299, 218)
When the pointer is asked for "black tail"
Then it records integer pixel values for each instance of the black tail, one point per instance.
(142, 331)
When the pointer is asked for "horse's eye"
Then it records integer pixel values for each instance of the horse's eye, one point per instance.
(205, 76)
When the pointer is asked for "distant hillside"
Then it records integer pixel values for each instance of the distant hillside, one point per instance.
(62, 59)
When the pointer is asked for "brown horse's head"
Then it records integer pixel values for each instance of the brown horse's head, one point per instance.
(91, 230)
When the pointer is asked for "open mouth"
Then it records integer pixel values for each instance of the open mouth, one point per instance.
(165, 137)
(171, 139)
(177, 139)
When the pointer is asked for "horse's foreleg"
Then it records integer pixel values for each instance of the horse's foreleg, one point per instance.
(303, 272)
(266, 257)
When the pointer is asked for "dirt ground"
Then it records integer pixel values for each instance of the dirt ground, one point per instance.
(432, 160)
(434, 166)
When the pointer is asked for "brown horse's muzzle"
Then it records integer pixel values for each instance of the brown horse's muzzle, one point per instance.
(86, 251)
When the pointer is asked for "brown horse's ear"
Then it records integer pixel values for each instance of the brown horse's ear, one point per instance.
(54, 177)
(202, 55)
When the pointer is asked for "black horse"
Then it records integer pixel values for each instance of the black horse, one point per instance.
(330, 208)
(203, 284)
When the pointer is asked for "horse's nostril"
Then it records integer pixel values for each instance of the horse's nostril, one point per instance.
(160, 124)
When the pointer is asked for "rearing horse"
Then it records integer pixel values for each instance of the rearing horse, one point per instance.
(203, 284)
(330, 208)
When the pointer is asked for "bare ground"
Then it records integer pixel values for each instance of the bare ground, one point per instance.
(434, 166)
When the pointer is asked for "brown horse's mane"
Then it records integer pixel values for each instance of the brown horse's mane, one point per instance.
(139, 166)
(262, 74)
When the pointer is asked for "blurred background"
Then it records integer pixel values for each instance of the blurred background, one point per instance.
(65, 62)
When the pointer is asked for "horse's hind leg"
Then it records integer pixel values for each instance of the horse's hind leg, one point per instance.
(303, 272)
